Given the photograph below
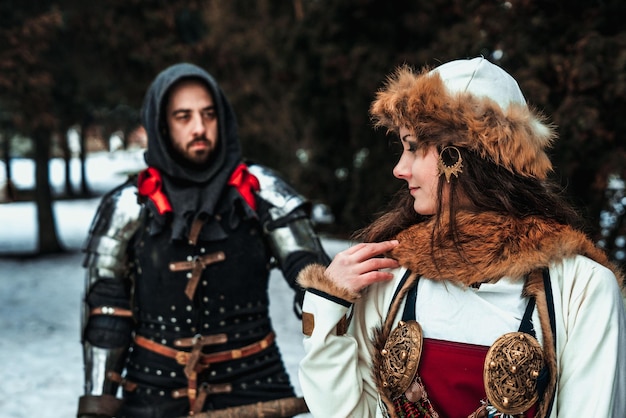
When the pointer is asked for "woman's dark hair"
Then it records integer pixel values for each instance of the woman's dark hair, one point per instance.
(490, 188)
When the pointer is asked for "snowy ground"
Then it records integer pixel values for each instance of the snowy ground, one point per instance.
(41, 367)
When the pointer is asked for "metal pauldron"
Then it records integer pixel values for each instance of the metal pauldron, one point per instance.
(290, 228)
(115, 222)
(277, 192)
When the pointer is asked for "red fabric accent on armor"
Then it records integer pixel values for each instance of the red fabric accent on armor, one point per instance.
(452, 374)
(150, 185)
(245, 183)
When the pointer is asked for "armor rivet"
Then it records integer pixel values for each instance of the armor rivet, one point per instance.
(188, 308)
(204, 283)
(188, 321)
(193, 329)
(206, 313)
(149, 391)
(189, 258)
(172, 374)
(173, 307)
(206, 326)
(159, 372)
(205, 299)
(163, 341)
(229, 369)
(188, 275)
(213, 373)
(218, 217)
(147, 370)
(161, 393)
(160, 318)
(222, 323)
(203, 250)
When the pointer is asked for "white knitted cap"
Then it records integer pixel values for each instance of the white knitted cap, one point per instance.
(481, 78)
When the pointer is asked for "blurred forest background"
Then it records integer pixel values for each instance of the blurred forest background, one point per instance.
(301, 75)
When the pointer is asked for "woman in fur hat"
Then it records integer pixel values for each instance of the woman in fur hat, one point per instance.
(476, 294)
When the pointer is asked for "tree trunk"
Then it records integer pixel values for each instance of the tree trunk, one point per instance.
(9, 192)
(84, 188)
(67, 157)
(48, 241)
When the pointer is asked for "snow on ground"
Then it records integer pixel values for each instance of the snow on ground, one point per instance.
(41, 368)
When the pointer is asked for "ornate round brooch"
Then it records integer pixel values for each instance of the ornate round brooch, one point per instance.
(400, 357)
(512, 366)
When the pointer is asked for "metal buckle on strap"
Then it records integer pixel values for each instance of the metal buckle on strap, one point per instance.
(182, 357)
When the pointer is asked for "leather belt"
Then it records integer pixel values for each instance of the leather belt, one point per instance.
(182, 357)
(195, 361)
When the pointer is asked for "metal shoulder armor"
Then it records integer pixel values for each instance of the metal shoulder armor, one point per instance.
(115, 222)
(287, 222)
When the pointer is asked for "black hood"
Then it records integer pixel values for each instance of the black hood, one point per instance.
(159, 153)
(193, 192)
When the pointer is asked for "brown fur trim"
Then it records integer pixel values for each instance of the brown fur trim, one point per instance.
(314, 276)
(534, 287)
(380, 336)
(493, 246)
(515, 138)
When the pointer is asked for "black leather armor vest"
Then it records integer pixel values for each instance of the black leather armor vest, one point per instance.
(230, 298)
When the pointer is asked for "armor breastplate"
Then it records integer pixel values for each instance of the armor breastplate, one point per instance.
(230, 297)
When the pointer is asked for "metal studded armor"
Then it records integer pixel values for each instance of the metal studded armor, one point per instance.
(184, 325)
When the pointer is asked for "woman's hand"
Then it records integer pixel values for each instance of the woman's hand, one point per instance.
(358, 267)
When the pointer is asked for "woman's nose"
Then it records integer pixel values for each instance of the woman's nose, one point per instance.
(400, 170)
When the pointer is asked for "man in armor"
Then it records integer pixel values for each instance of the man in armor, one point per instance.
(178, 260)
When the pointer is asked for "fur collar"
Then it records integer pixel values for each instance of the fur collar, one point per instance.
(492, 246)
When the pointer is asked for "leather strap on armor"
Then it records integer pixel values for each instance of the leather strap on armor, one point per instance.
(112, 311)
(196, 265)
(195, 361)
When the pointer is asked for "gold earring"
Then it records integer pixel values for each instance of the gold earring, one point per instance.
(453, 163)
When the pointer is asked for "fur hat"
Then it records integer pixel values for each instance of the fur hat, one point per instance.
(472, 104)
